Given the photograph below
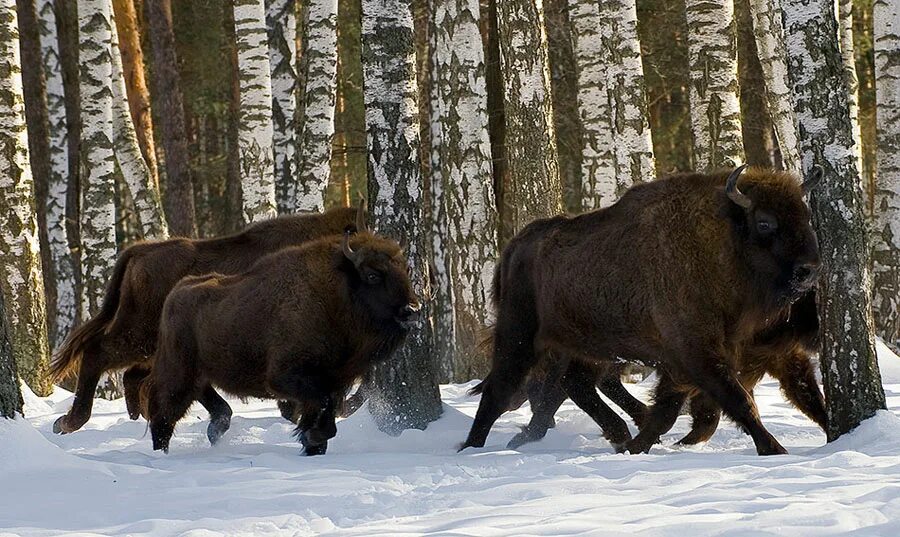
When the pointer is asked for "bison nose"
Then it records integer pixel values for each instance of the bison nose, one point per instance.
(409, 314)
(805, 274)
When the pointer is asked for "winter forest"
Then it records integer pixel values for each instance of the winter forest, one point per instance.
(505, 267)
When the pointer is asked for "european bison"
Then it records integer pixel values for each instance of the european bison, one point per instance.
(124, 332)
(301, 325)
(681, 274)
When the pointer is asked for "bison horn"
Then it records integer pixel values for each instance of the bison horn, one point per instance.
(813, 180)
(345, 247)
(361, 226)
(731, 189)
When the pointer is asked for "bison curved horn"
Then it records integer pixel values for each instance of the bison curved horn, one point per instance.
(813, 180)
(361, 226)
(348, 252)
(731, 189)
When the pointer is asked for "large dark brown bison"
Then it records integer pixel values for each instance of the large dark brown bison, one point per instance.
(681, 274)
(301, 325)
(123, 333)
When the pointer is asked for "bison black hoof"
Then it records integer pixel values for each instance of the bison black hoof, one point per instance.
(217, 428)
(518, 441)
(59, 426)
(161, 446)
(775, 449)
(309, 451)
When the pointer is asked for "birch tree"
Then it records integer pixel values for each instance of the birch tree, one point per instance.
(281, 24)
(62, 266)
(853, 390)
(462, 182)
(887, 190)
(10, 395)
(318, 67)
(21, 279)
(405, 393)
(845, 31)
(535, 190)
(255, 140)
(769, 35)
(715, 107)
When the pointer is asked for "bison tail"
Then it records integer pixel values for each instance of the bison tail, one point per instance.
(69, 355)
(144, 393)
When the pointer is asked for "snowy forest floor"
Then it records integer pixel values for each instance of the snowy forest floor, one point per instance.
(107, 480)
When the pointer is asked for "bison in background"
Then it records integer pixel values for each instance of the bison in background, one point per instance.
(123, 333)
(301, 325)
(680, 274)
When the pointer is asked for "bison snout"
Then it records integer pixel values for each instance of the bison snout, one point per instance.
(408, 314)
(805, 275)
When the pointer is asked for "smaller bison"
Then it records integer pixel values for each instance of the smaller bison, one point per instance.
(301, 325)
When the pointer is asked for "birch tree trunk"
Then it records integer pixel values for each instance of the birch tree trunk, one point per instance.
(405, 393)
(769, 35)
(845, 31)
(462, 182)
(255, 140)
(534, 187)
(715, 108)
(10, 395)
(281, 24)
(316, 130)
(887, 191)
(21, 279)
(853, 390)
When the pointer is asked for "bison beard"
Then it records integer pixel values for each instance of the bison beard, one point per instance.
(682, 274)
(301, 325)
(123, 334)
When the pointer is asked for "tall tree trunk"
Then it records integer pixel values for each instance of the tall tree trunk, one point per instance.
(845, 31)
(319, 73)
(255, 124)
(715, 108)
(853, 390)
(769, 34)
(10, 395)
(756, 122)
(21, 279)
(462, 168)
(62, 267)
(887, 192)
(135, 83)
(178, 199)
(535, 190)
(406, 392)
(281, 24)
(136, 172)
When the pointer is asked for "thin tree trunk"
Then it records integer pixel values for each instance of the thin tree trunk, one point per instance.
(281, 23)
(887, 192)
(169, 104)
(769, 34)
(316, 130)
(405, 391)
(255, 124)
(715, 108)
(21, 279)
(853, 390)
(845, 30)
(756, 122)
(10, 395)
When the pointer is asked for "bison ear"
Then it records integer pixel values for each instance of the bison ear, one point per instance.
(813, 179)
(732, 191)
(361, 226)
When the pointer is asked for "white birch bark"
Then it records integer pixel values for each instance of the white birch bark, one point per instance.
(769, 37)
(281, 23)
(886, 256)
(316, 130)
(255, 140)
(845, 31)
(63, 268)
(715, 107)
(21, 279)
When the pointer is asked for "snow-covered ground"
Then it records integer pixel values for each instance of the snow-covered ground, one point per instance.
(107, 480)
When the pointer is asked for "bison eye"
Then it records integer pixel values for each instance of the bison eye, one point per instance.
(765, 228)
(373, 278)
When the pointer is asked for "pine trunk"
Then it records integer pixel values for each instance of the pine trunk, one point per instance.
(281, 24)
(405, 391)
(255, 131)
(845, 31)
(769, 34)
(887, 192)
(319, 72)
(715, 108)
(534, 187)
(21, 279)
(853, 390)
(10, 396)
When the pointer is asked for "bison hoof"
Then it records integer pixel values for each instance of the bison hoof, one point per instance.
(638, 445)
(160, 445)
(774, 449)
(217, 428)
(309, 451)
(519, 440)
(62, 425)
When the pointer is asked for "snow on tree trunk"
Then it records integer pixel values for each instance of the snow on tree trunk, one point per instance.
(853, 390)
(10, 395)
(319, 73)
(715, 108)
(534, 186)
(21, 279)
(63, 268)
(134, 168)
(405, 393)
(255, 141)
(281, 23)
(845, 31)
(887, 190)
(769, 36)
(462, 181)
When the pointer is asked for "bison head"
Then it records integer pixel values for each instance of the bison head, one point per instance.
(380, 280)
(773, 226)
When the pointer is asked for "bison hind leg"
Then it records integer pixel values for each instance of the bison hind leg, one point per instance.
(705, 416)
(219, 413)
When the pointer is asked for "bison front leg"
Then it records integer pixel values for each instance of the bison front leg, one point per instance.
(611, 385)
(705, 416)
(317, 426)
(798, 383)
(219, 413)
(668, 399)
